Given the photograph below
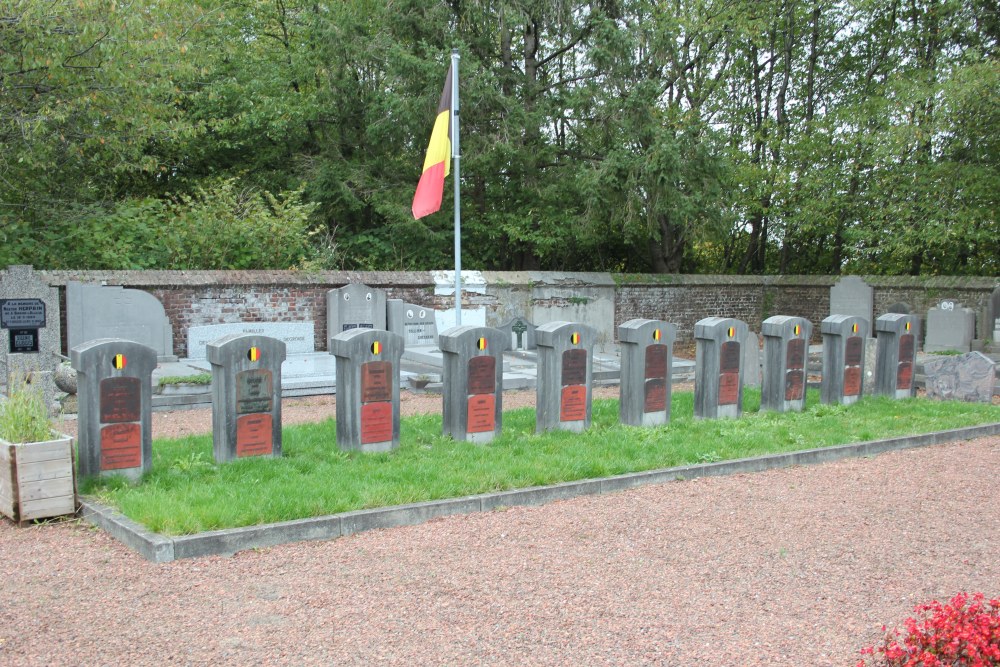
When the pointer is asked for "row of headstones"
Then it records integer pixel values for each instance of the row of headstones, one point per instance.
(115, 388)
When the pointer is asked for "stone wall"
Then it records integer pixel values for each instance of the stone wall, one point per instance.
(195, 298)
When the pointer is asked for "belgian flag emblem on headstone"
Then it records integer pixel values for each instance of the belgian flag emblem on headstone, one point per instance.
(119, 362)
(656, 334)
(481, 344)
(575, 338)
(376, 348)
(253, 354)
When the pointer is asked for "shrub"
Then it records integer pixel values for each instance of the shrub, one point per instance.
(962, 633)
(23, 415)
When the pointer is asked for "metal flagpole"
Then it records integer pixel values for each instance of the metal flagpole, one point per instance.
(456, 155)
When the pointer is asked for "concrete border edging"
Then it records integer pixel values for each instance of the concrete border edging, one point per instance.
(161, 549)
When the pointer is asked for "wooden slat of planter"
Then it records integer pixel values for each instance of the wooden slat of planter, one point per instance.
(47, 507)
(45, 451)
(8, 481)
(45, 488)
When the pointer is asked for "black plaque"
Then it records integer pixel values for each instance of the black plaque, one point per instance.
(376, 382)
(23, 340)
(729, 361)
(22, 313)
(574, 367)
(482, 375)
(120, 400)
(852, 351)
(254, 391)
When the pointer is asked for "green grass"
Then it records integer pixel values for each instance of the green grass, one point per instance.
(187, 492)
(196, 378)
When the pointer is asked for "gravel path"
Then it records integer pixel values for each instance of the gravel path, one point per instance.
(789, 567)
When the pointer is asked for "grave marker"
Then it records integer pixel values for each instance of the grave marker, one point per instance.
(786, 348)
(99, 311)
(752, 368)
(473, 382)
(354, 306)
(950, 327)
(844, 338)
(896, 354)
(367, 389)
(565, 369)
(298, 337)
(114, 385)
(718, 385)
(415, 324)
(647, 348)
(968, 377)
(852, 296)
(520, 332)
(29, 330)
(246, 396)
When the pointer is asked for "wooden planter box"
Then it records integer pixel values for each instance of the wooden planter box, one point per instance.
(37, 479)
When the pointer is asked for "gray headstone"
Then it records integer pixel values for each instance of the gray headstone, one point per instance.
(718, 384)
(114, 388)
(968, 377)
(29, 330)
(354, 306)
(993, 316)
(473, 382)
(844, 339)
(367, 389)
(565, 369)
(415, 324)
(752, 368)
(950, 327)
(852, 296)
(868, 383)
(521, 333)
(298, 337)
(786, 351)
(900, 307)
(246, 396)
(98, 311)
(896, 354)
(647, 349)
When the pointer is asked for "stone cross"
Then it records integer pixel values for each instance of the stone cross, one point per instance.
(246, 396)
(367, 389)
(896, 354)
(786, 351)
(115, 392)
(647, 361)
(565, 369)
(473, 382)
(844, 339)
(718, 385)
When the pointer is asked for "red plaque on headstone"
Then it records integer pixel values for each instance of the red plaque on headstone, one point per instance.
(482, 413)
(376, 423)
(482, 375)
(121, 446)
(853, 349)
(904, 375)
(574, 367)
(796, 354)
(120, 400)
(852, 381)
(656, 395)
(794, 384)
(573, 404)
(656, 362)
(906, 348)
(254, 435)
(254, 391)
(729, 388)
(376, 382)
(729, 357)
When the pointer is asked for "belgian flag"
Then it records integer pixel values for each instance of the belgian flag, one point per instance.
(430, 189)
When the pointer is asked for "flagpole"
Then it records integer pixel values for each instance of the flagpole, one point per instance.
(456, 155)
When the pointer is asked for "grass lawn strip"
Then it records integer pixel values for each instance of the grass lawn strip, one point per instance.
(186, 492)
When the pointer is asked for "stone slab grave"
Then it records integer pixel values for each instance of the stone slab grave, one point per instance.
(950, 327)
(968, 377)
(246, 396)
(852, 296)
(473, 382)
(298, 337)
(99, 311)
(786, 340)
(896, 354)
(114, 389)
(29, 330)
(367, 389)
(646, 370)
(718, 385)
(844, 338)
(565, 366)
(354, 306)
(417, 326)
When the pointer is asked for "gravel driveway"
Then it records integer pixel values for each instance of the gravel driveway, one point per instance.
(797, 567)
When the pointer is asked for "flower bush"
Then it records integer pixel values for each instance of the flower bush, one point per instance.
(965, 632)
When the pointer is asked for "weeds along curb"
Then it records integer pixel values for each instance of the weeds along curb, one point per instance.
(161, 548)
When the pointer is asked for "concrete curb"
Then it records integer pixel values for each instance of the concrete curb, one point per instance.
(161, 549)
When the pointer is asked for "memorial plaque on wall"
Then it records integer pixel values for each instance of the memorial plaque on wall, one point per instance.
(254, 434)
(376, 422)
(482, 375)
(574, 367)
(23, 341)
(254, 391)
(795, 370)
(120, 400)
(655, 375)
(729, 373)
(481, 417)
(376, 381)
(853, 349)
(121, 446)
(904, 372)
(22, 313)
